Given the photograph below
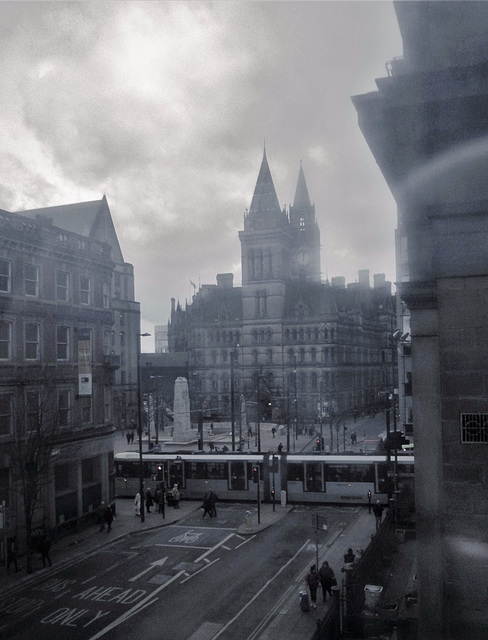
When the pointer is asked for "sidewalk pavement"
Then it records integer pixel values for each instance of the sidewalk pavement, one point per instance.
(364, 426)
(284, 622)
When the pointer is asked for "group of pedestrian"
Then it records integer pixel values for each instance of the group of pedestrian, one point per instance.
(157, 499)
(324, 577)
(42, 546)
(130, 437)
(209, 504)
(105, 516)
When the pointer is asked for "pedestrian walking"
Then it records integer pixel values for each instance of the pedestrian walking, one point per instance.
(43, 548)
(349, 557)
(101, 515)
(327, 578)
(273, 431)
(313, 581)
(149, 501)
(137, 504)
(128, 437)
(109, 518)
(162, 498)
(212, 498)
(378, 513)
(175, 494)
(12, 553)
(207, 506)
(280, 447)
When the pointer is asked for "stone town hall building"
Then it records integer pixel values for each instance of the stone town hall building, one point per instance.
(291, 344)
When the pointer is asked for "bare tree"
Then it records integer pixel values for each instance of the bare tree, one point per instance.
(36, 430)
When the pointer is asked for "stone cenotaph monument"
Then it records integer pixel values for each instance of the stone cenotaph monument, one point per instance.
(181, 411)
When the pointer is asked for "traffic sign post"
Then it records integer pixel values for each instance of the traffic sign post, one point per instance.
(319, 523)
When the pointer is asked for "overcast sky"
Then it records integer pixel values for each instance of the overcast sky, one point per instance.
(164, 108)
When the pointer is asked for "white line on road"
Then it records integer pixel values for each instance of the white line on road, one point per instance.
(180, 546)
(111, 568)
(180, 526)
(156, 563)
(136, 608)
(263, 588)
(219, 544)
(210, 563)
(248, 539)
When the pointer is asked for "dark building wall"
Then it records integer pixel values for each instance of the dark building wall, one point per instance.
(427, 126)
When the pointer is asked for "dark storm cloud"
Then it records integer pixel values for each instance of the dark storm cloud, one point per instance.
(165, 106)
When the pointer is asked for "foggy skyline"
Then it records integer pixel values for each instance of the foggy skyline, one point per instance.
(164, 107)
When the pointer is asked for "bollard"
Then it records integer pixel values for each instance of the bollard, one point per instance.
(248, 521)
(283, 498)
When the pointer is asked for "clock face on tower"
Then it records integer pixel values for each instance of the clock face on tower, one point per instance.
(303, 257)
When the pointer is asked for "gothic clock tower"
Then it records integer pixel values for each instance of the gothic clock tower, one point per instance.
(305, 258)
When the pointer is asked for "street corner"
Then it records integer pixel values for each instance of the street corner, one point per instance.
(254, 524)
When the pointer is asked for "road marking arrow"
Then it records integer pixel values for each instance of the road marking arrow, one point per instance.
(157, 563)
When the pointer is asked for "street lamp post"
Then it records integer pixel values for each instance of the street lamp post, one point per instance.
(232, 400)
(139, 416)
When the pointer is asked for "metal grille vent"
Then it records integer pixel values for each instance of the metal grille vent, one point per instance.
(474, 428)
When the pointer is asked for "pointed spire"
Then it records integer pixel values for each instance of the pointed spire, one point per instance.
(264, 199)
(302, 199)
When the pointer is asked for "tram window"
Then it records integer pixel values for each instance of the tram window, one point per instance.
(176, 474)
(129, 470)
(406, 469)
(206, 470)
(349, 473)
(381, 485)
(237, 475)
(295, 471)
(314, 476)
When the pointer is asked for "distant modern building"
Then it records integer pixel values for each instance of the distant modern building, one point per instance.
(427, 127)
(68, 337)
(293, 347)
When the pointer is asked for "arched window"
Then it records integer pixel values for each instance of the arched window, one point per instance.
(291, 356)
(302, 356)
(269, 356)
(261, 304)
(313, 355)
(255, 357)
(313, 381)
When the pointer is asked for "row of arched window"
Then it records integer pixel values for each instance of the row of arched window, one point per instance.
(231, 338)
(310, 334)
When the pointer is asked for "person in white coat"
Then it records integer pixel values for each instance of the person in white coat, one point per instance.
(137, 504)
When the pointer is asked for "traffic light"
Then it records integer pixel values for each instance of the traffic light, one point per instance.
(160, 474)
(369, 495)
(255, 473)
(318, 444)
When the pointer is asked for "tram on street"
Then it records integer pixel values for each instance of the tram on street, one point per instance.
(306, 477)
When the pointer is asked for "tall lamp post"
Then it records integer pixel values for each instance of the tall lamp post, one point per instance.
(139, 417)
(233, 354)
